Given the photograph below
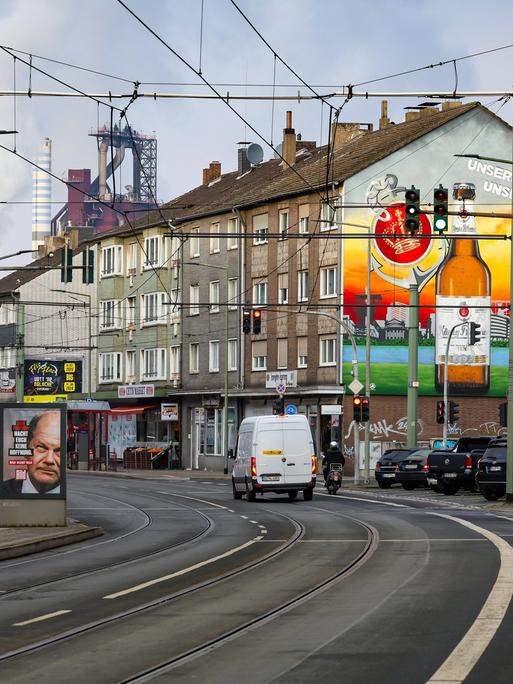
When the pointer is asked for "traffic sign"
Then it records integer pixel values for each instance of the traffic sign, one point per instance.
(355, 386)
(290, 410)
(281, 388)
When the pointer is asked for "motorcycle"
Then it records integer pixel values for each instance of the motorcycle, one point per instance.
(334, 478)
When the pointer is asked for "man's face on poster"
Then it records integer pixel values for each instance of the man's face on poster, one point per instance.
(45, 442)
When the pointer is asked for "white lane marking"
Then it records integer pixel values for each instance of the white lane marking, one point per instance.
(263, 530)
(231, 511)
(184, 571)
(374, 501)
(254, 522)
(245, 517)
(465, 655)
(193, 498)
(41, 618)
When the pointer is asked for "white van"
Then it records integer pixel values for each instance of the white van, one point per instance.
(274, 454)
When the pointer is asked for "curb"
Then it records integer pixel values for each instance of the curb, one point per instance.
(49, 542)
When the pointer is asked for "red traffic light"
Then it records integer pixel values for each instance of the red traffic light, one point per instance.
(441, 195)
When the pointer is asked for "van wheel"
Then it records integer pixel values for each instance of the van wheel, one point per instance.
(292, 494)
(250, 493)
(308, 494)
(236, 494)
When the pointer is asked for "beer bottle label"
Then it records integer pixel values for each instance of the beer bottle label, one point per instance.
(461, 311)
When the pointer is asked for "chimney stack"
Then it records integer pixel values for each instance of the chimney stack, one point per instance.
(384, 120)
(213, 172)
(288, 150)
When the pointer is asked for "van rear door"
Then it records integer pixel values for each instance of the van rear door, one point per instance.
(269, 454)
(297, 451)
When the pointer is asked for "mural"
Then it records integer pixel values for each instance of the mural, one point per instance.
(463, 282)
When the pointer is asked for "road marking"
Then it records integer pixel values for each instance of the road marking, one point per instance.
(465, 655)
(254, 522)
(41, 618)
(184, 571)
(245, 517)
(329, 541)
(374, 501)
(193, 498)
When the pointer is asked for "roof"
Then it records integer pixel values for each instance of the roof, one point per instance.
(270, 182)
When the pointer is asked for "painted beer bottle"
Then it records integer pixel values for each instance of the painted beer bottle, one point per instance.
(463, 287)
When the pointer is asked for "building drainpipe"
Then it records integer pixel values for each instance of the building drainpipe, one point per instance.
(20, 351)
(242, 287)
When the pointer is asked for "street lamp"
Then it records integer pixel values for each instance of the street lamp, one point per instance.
(225, 405)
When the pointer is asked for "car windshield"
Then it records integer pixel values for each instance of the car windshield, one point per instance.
(498, 452)
(396, 456)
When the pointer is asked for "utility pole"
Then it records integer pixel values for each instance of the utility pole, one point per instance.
(446, 382)
(367, 362)
(20, 351)
(413, 366)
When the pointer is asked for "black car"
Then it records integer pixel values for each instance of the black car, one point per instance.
(412, 471)
(491, 470)
(384, 470)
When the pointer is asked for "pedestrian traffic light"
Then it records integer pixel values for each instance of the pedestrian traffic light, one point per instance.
(503, 414)
(412, 210)
(279, 406)
(453, 412)
(440, 412)
(365, 409)
(66, 265)
(246, 321)
(440, 209)
(88, 267)
(257, 322)
(357, 409)
(475, 333)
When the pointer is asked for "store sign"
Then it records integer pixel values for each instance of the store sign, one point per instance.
(42, 399)
(8, 381)
(288, 378)
(48, 378)
(331, 410)
(126, 391)
(169, 412)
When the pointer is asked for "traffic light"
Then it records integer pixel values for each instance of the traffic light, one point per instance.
(440, 412)
(503, 414)
(66, 265)
(357, 409)
(412, 210)
(88, 267)
(365, 409)
(475, 333)
(453, 412)
(279, 406)
(257, 322)
(246, 321)
(441, 208)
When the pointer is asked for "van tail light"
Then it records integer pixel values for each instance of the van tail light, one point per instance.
(378, 466)
(468, 462)
(253, 467)
(314, 464)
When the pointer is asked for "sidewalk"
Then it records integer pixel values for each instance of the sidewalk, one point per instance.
(20, 541)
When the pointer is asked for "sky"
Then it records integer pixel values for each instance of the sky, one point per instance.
(328, 43)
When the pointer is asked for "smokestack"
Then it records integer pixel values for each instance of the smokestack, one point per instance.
(288, 149)
(41, 195)
(384, 121)
(102, 169)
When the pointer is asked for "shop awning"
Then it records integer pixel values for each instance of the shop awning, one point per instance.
(121, 410)
(82, 405)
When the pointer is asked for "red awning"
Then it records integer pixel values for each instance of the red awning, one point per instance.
(121, 410)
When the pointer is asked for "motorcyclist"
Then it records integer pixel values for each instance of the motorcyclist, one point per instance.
(332, 456)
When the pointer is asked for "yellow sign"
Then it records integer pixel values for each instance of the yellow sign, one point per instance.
(44, 399)
(272, 452)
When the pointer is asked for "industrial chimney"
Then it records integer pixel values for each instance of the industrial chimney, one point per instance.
(41, 195)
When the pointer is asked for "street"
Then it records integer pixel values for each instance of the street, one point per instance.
(189, 585)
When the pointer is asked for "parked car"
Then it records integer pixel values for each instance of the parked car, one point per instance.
(451, 469)
(491, 472)
(412, 471)
(384, 470)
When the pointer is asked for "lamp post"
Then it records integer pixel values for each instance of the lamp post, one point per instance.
(225, 405)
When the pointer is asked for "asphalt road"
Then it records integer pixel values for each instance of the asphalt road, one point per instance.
(188, 585)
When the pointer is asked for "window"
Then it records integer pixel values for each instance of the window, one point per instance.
(130, 311)
(232, 355)
(153, 364)
(283, 226)
(283, 288)
(214, 296)
(233, 293)
(194, 243)
(194, 357)
(131, 262)
(233, 229)
(110, 314)
(302, 346)
(194, 300)
(7, 358)
(213, 356)
(327, 351)
(304, 211)
(302, 286)
(328, 281)
(259, 355)
(175, 300)
(111, 260)
(260, 228)
(154, 308)
(214, 238)
(174, 361)
(329, 215)
(282, 352)
(151, 252)
(260, 293)
(7, 314)
(110, 367)
(130, 365)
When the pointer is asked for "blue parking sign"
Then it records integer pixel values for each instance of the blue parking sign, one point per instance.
(290, 410)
